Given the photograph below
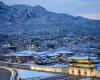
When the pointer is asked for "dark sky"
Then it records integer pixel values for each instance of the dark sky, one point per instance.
(85, 8)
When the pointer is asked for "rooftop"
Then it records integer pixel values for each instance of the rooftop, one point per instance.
(53, 65)
(82, 57)
(63, 50)
(49, 53)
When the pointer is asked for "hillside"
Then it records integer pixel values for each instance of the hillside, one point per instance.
(44, 27)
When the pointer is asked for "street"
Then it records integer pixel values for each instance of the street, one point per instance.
(5, 74)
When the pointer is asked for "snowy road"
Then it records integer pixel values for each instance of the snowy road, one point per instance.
(5, 74)
(29, 74)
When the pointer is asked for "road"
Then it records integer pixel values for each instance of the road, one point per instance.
(7, 74)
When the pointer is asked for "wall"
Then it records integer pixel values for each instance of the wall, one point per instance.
(63, 70)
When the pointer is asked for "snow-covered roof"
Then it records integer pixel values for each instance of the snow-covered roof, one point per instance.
(53, 54)
(17, 54)
(25, 52)
(53, 65)
(82, 57)
(21, 53)
(42, 53)
(59, 65)
(31, 53)
(63, 52)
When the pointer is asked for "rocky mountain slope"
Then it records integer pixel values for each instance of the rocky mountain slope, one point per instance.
(47, 27)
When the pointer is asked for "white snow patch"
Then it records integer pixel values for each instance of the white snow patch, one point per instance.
(86, 79)
(82, 57)
(25, 74)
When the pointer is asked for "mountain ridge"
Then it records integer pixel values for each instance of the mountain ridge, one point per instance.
(22, 14)
(36, 22)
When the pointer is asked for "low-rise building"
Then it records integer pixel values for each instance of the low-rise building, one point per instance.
(22, 56)
(31, 46)
(65, 53)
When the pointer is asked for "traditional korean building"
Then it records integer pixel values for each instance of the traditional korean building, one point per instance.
(22, 56)
(83, 66)
(65, 53)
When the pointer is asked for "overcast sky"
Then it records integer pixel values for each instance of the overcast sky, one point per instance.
(85, 8)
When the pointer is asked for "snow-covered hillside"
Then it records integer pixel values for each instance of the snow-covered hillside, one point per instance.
(25, 22)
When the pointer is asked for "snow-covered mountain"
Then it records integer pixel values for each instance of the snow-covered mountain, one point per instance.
(27, 19)
(37, 22)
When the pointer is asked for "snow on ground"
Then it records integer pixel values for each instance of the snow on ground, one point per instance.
(82, 57)
(86, 79)
(25, 74)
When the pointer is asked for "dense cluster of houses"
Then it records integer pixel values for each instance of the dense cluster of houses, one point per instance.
(78, 64)
(28, 55)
